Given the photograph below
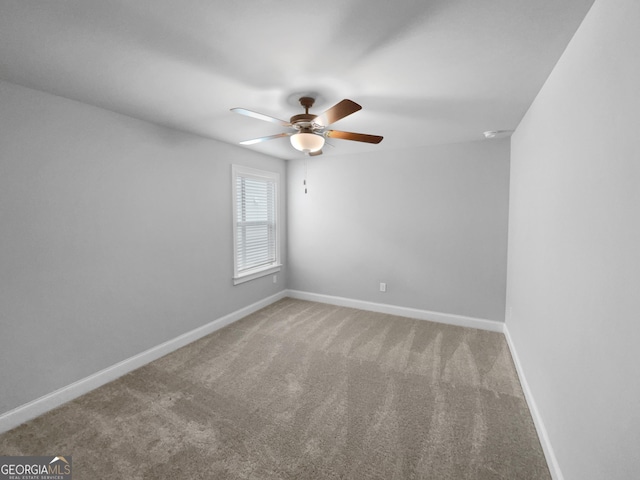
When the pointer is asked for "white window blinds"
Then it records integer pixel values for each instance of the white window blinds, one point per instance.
(256, 233)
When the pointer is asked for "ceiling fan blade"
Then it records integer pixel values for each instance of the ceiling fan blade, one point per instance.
(264, 139)
(338, 111)
(261, 116)
(358, 137)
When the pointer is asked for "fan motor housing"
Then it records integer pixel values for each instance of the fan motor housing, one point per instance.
(304, 120)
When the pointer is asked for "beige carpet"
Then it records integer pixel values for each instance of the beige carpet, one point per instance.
(302, 390)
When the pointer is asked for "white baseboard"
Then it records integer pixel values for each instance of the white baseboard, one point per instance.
(448, 318)
(549, 454)
(41, 405)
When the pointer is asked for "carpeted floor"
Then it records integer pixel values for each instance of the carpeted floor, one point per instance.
(302, 390)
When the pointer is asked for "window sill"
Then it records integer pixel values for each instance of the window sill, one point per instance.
(253, 274)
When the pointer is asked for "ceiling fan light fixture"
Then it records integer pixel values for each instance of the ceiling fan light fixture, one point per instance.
(307, 142)
(310, 130)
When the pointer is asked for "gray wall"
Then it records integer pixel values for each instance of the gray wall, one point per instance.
(574, 248)
(431, 223)
(115, 237)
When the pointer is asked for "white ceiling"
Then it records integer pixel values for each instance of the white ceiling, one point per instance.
(425, 72)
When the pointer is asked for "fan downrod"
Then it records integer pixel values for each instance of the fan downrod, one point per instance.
(303, 121)
(307, 103)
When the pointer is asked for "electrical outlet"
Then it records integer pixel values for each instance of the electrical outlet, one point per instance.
(383, 287)
(275, 279)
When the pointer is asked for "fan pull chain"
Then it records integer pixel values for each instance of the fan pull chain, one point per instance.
(304, 182)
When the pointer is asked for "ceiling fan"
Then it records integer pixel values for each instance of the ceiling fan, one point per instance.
(309, 131)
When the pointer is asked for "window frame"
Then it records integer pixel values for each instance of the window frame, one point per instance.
(272, 267)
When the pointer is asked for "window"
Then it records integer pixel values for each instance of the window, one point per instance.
(256, 246)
